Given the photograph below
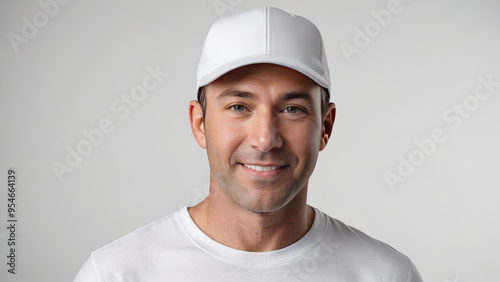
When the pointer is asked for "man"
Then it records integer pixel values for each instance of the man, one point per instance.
(263, 114)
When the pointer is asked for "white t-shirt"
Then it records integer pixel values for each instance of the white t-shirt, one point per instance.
(175, 249)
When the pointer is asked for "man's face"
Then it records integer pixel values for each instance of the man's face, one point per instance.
(263, 131)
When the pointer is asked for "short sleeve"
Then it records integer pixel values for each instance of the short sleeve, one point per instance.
(414, 275)
(87, 273)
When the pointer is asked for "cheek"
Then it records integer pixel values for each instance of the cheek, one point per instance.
(304, 140)
(223, 138)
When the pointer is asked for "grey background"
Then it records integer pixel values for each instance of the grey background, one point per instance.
(64, 79)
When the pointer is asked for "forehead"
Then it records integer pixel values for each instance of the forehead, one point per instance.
(265, 76)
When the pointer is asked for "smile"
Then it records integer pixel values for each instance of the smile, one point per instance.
(262, 168)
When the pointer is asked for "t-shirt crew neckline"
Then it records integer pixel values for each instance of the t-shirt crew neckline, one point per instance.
(255, 259)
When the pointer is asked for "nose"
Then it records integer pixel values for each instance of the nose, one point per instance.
(265, 132)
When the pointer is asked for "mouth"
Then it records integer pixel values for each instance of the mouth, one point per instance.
(262, 168)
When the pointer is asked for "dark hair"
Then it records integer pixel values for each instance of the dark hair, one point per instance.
(325, 101)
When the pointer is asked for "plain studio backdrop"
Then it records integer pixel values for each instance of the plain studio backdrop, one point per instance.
(94, 122)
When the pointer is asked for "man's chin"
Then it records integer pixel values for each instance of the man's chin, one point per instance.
(264, 204)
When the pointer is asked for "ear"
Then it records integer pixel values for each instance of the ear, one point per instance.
(196, 121)
(327, 127)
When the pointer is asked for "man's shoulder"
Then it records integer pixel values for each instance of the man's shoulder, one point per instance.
(160, 233)
(353, 240)
(359, 250)
(144, 249)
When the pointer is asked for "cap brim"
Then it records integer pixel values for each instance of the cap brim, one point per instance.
(283, 61)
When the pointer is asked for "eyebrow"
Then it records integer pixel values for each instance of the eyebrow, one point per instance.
(297, 95)
(249, 95)
(236, 93)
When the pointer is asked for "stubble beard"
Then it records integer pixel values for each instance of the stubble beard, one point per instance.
(257, 198)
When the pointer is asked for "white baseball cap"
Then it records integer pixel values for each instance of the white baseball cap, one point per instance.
(264, 35)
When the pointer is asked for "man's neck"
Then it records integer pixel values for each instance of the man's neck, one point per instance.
(241, 229)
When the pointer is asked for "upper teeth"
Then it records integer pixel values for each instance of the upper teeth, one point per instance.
(262, 168)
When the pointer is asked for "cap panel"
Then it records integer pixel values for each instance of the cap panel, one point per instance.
(297, 38)
(230, 39)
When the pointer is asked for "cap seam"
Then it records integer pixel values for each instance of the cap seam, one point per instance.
(268, 39)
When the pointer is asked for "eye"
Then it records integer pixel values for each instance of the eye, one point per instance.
(237, 108)
(292, 110)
